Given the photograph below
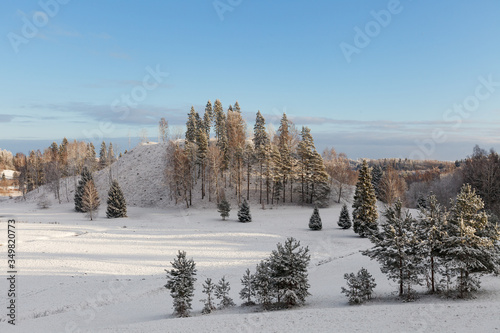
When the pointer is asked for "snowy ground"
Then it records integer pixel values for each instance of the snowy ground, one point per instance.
(77, 275)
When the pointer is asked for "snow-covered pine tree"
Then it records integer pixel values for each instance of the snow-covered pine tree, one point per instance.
(222, 293)
(90, 199)
(320, 191)
(344, 218)
(208, 288)
(261, 142)
(224, 208)
(395, 248)
(359, 287)
(431, 222)
(248, 291)
(377, 174)
(84, 178)
(470, 246)
(263, 284)
(180, 282)
(364, 214)
(117, 207)
(288, 268)
(244, 212)
(191, 126)
(208, 117)
(315, 220)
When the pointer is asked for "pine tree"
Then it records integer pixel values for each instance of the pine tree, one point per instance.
(84, 178)
(261, 142)
(263, 284)
(222, 293)
(224, 208)
(396, 249)
(111, 154)
(360, 286)
(90, 199)
(288, 270)
(221, 132)
(377, 174)
(315, 220)
(208, 288)
(103, 156)
(117, 207)
(470, 246)
(305, 152)
(248, 291)
(431, 222)
(180, 282)
(208, 118)
(236, 107)
(364, 212)
(344, 219)
(191, 126)
(244, 212)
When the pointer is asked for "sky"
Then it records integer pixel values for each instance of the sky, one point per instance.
(406, 79)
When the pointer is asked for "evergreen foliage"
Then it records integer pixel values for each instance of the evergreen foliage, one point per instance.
(208, 288)
(103, 155)
(359, 287)
(364, 212)
(224, 208)
(191, 126)
(84, 178)
(222, 293)
(117, 207)
(248, 291)
(396, 249)
(344, 218)
(244, 212)
(315, 220)
(263, 284)
(180, 282)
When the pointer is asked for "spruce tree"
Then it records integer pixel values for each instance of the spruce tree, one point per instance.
(180, 282)
(248, 291)
(103, 156)
(261, 142)
(288, 270)
(344, 218)
(244, 212)
(315, 220)
(208, 288)
(364, 214)
(263, 284)
(191, 126)
(111, 154)
(208, 118)
(224, 208)
(222, 293)
(117, 207)
(84, 178)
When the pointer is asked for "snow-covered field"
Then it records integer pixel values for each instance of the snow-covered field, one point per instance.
(77, 275)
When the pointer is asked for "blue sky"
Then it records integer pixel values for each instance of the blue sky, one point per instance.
(423, 80)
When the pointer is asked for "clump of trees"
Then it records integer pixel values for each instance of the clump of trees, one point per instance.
(359, 286)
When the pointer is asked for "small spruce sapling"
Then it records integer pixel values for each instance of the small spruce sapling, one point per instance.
(244, 213)
(208, 288)
(180, 282)
(344, 218)
(224, 208)
(315, 220)
(222, 293)
(248, 291)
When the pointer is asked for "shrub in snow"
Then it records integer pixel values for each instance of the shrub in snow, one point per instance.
(208, 288)
(244, 212)
(117, 207)
(344, 218)
(222, 293)
(180, 282)
(248, 291)
(315, 220)
(44, 202)
(224, 208)
(359, 287)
